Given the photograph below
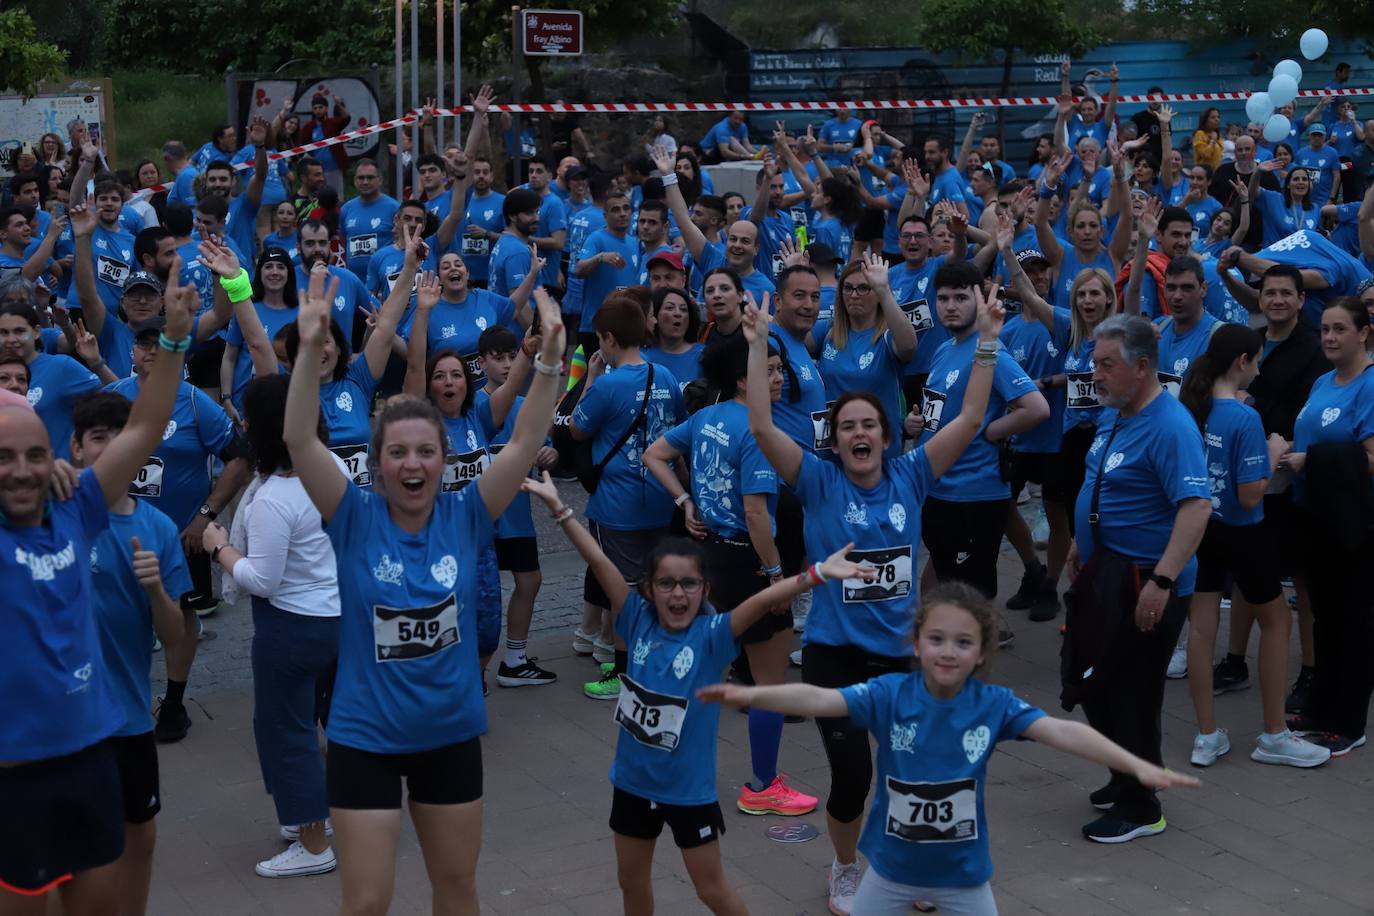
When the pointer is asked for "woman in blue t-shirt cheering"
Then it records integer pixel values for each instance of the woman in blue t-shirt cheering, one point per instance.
(408, 700)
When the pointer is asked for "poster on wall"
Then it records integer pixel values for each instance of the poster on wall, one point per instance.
(263, 98)
(56, 105)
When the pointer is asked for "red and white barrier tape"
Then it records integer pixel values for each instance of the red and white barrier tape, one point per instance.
(655, 107)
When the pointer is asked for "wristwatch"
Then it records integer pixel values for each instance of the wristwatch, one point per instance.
(1163, 582)
(207, 512)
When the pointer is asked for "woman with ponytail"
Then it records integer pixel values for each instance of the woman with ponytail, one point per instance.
(1238, 466)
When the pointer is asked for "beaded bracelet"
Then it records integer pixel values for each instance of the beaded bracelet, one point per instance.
(562, 515)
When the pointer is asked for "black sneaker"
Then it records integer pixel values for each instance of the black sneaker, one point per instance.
(1102, 799)
(1112, 829)
(527, 675)
(1302, 689)
(1338, 745)
(1030, 585)
(173, 723)
(1303, 725)
(1229, 674)
(1005, 638)
(1046, 606)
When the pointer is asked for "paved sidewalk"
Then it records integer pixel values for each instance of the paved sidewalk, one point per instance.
(1253, 840)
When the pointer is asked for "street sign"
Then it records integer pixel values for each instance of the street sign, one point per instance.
(552, 31)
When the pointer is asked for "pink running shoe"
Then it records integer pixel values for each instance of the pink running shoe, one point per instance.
(777, 798)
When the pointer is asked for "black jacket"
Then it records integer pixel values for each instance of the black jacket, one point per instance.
(1338, 491)
(1285, 379)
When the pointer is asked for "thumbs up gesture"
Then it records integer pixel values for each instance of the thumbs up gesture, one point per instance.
(146, 568)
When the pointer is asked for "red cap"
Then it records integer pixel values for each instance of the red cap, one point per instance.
(671, 258)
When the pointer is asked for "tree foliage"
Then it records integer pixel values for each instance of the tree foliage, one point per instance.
(1273, 24)
(818, 23)
(26, 60)
(983, 28)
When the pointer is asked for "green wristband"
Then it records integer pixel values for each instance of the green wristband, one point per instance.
(237, 288)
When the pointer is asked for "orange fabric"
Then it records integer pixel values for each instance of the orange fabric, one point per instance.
(1155, 262)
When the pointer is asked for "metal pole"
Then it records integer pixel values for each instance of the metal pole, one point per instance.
(439, 71)
(400, 128)
(415, 89)
(515, 93)
(457, 66)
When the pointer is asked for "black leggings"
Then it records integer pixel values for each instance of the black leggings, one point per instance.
(965, 540)
(1073, 457)
(1342, 628)
(846, 746)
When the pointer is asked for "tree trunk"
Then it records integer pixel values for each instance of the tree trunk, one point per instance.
(534, 69)
(1006, 91)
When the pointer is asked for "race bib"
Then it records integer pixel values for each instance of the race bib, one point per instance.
(362, 246)
(1082, 391)
(474, 246)
(405, 634)
(932, 409)
(111, 270)
(474, 361)
(462, 469)
(778, 265)
(148, 480)
(932, 812)
(894, 575)
(822, 435)
(354, 458)
(918, 311)
(1171, 383)
(653, 719)
(391, 281)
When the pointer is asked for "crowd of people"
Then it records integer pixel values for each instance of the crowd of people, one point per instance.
(774, 403)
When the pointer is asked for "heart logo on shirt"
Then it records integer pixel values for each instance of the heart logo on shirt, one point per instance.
(682, 663)
(976, 741)
(950, 378)
(1329, 415)
(897, 516)
(1114, 460)
(35, 395)
(344, 401)
(921, 283)
(170, 430)
(445, 572)
(866, 360)
(480, 322)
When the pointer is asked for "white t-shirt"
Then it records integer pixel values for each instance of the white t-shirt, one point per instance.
(290, 561)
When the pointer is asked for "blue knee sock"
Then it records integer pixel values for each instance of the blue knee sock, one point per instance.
(765, 734)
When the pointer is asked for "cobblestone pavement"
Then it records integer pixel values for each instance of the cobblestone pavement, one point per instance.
(1253, 840)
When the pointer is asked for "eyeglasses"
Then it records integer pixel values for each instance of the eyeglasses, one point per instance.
(913, 236)
(863, 289)
(690, 585)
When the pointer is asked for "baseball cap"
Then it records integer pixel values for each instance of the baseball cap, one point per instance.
(1026, 255)
(142, 278)
(152, 325)
(576, 174)
(821, 253)
(671, 258)
(1317, 128)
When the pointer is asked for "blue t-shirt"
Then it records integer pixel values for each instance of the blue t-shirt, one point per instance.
(1323, 166)
(112, 257)
(273, 321)
(509, 264)
(1282, 220)
(467, 457)
(55, 384)
(289, 244)
(581, 224)
(1156, 460)
(386, 266)
(802, 411)
(483, 211)
(722, 131)
(727, 465)
(974, 476)
(755, 282)
(176, 477)
(1177, 352)
(927, 825)
(54, 663)
(1308, 249)
(194, 273)
(516, 521)
(241, 228)
(366, 228)
(891, 230)
(1039, 351)
(1336, 413)
(1342, 139)
(274, 185)
(867, 363)
(352, 295)
(946, 186)
(773, 231)
(666, 747)
(837, 131)
(913, 292)
(605, 279)
(458, 326)
(685, 366)
(346, 406)
(830, 231)
(122, 607)
(1202, 212)
(1082, 407)
(553, 217)
(207, 154)
(116, 346)
(1078, 129)
(1069, 268)
(629, 498)
(183, 187)
(884, 524)
(1236, 453)
(408, 677)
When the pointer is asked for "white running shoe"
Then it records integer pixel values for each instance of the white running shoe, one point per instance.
(1178, 662)
(1207, 748)
(795, 657)
(292, 834)
(1287, 749)
(844, 884)
(583, 643)
(801, 607)
(603, 652)
(295, 860)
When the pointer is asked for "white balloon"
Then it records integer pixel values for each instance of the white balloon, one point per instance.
(1258, 107)
(1282, 90)
(1276, 128)
(1290, 67)
(1312, 44)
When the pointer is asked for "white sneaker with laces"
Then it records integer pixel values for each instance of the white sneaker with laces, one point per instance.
(801, 607)
(844, 884)
(292, 834)
(603, 652)
(1287, 749)
(1207, 748)
(1178, 662)
(295, 860)
(583, 643)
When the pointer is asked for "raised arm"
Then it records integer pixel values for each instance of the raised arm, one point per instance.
(945, 447)
(782, 453)
(798, 170)
(315, 466)
(416, 382)
(82, 217)
(377, 350)
(903, 335)
(1119, 201)
(1243, 197)
(37, 262)
(1166, 145)
(1145, 230)
(1030, 299)
(794, 699)
(477, 133)
(1109, 106)
(917, 188)
(257, 135)
(501, 481)
(692, 237)
(124, 457)
(759, 210)
(1049, 188)
(454, 218)
(520, 296)
(601, 567)
(221, 261)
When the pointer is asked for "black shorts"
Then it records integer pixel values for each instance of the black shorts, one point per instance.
(517, 554)
(362, 780)
(870, 227)
(692, 825)
(844, 666)
(1044, 468)
(1247, 552)
(60, 816)
(626, 550)
(790, 521)
(1283, 525)
(138, 773)
(736, 574)
(202, 366)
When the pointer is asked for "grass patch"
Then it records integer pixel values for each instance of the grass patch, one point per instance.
(152, 107)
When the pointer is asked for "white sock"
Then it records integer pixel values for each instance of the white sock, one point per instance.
(515, 652)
